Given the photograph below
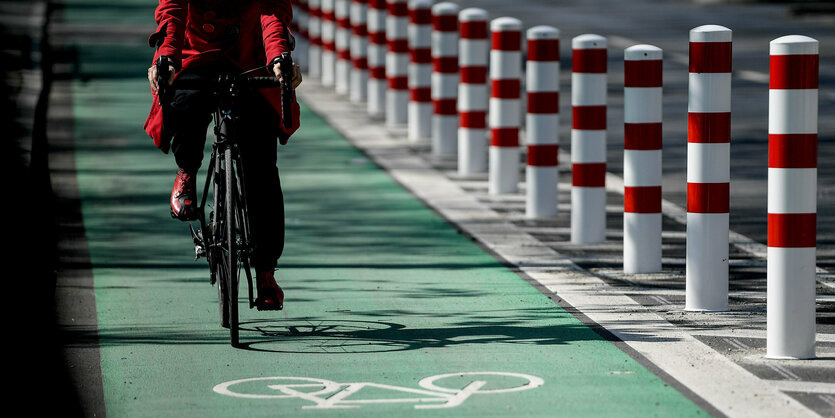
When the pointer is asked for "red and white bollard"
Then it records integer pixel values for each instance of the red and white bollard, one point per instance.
(588, 139)
(342, 17)
(377, 47)
(359, 51)
(792, 197)
(397, 63)
(642, 159)
(445, 79)
(504, 105)
(420, 70)
(708, 169)
(328, 43)
(300, 20)
(542, 121)
(314, 30)
(472, 91)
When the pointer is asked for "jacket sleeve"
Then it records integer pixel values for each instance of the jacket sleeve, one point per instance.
(171, 17)
(275, 18)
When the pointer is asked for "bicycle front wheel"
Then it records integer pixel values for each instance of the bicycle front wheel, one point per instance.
(231, 255)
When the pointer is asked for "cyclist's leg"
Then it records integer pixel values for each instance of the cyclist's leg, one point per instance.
(265, 201)
(187, 118)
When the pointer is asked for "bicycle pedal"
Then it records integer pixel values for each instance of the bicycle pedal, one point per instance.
(197, 238)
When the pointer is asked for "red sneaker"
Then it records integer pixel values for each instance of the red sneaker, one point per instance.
(270, 295)
(184, 197)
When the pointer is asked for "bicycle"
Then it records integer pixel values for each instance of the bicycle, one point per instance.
(224, 238)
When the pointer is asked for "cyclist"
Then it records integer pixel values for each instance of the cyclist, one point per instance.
(200, 39)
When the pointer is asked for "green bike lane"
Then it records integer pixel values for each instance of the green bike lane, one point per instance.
(381, 294)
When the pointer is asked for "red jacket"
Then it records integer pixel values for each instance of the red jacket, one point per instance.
(248, 33)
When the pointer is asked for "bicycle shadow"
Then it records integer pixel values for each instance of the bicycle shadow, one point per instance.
(326, 336)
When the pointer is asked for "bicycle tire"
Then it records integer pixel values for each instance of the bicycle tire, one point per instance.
(218, 262)
(231, 254)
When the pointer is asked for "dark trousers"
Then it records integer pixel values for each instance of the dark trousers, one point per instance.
(188, 118)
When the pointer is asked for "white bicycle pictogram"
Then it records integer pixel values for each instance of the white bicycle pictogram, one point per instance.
(327, 394)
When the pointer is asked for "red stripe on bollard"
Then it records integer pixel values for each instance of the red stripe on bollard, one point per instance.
(507, 41)
(644, 199)
(399, 9)
(710, 128)
(473, 119)
(793, 72)
(377, 38)
(420, 94)
(474, 75)
(546, 155)
(398, 46)
(445, 23)
(505, 89)
(588, 117)
(710, 57)
(792, 230)
(447, 65)
(642, 136)
(360, 63)
(588, 175)
(377, 73)
(708, 197)
(420, 16)
(643, 73)
(547, 102)
(421, 55)
(504, 137)
(398, 82)
(448, 107)
(793, 150)
(589, 61)
(543, 50)
(473, 30)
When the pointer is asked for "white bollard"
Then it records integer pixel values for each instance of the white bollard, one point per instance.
(328, 43)
(397, 63)
(588, 139)
(792, 196)
(314, 30)
(359, 51)
(504, 106)
(420, 70)
(377, 84)
(472, 92)
(708, 169)
(342, 44)
(445, 79)
(642, 159)
(542, 121)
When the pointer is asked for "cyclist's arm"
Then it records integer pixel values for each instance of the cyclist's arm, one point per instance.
(171, 17)
(275, 18)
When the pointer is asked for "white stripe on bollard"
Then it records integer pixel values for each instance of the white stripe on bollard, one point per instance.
(420, 70)
(314, 29)
(642, 159)
(472, 92)
(504, 107)
(359, 51)
(377, 84)
(588, 139)
(445, 79)
(708, 169)
(342, 45)
(542, 121)
(792, 197)
(328, 43)
(397, 63)
(301, 18)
